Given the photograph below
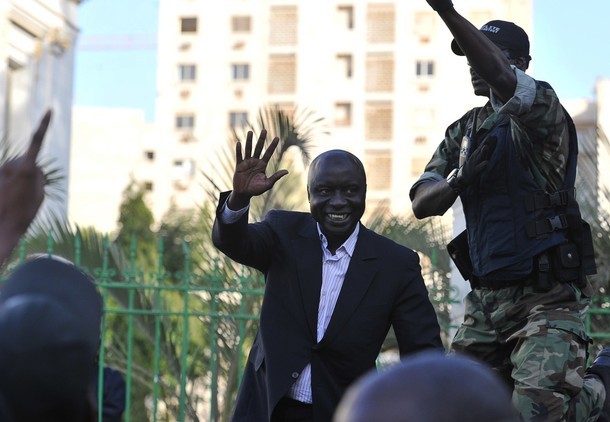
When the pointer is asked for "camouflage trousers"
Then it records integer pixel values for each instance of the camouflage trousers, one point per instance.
(538, 343)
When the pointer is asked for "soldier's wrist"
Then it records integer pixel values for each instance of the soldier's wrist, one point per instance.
(453, 180)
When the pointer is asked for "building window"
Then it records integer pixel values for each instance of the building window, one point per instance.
(380, 23)
(378, 120)
(282, 74)
(343, 114)
(149, 155)
(187, 72)
(188, 25)
(420, 140)
(240, 71)
(148, 186)
(283, 25)
(424, 68)
(287, 108)
(185, 121)
(424, 25)
(238, 119)
(378, 166)
(183, 169)
(240, 23)
(379, 72)
(418, 165)
(346, 16)
(345, 65)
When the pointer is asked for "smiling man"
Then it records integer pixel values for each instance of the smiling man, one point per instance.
(333, 288)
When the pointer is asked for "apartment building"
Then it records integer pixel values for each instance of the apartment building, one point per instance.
(36, 72)
(380, 73)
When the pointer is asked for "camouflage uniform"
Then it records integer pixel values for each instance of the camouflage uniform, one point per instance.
(537, 341)
(534, 337)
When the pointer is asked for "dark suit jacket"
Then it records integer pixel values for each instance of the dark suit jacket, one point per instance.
(383, 286)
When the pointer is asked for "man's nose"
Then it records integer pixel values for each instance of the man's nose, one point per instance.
(337, 199)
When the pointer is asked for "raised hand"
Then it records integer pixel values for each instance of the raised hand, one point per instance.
(249, 178)
(21, 191)
(440, 5)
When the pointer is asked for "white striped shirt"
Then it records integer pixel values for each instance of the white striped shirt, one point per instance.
(334, 268)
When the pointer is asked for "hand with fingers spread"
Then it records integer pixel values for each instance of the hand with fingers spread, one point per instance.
(21, 191)
(249, 178)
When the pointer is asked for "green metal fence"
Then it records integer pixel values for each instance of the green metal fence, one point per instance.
(202, 327)
(180, 339)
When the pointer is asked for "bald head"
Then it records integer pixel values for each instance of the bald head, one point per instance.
(335, 156)
(429, 387)
(336, 189)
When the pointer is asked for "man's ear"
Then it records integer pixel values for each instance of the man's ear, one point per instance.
(522, 63)
(308, 200)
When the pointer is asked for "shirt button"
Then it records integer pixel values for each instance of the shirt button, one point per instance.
(295, 375)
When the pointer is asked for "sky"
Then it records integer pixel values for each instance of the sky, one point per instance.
(116, 56)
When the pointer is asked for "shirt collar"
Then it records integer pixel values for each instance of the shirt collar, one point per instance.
(349, 245)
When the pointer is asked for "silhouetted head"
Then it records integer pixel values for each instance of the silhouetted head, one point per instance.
(429, 387)
(50, 315)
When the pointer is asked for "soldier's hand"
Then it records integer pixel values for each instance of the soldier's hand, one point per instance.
(476, 162)
(440, 5)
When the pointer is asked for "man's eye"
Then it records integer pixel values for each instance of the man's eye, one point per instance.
(323, 191)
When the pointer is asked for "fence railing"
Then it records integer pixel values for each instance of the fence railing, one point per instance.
(180, 339)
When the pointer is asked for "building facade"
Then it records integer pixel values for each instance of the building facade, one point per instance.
(110, 148)
(380, 73)
(36, 72)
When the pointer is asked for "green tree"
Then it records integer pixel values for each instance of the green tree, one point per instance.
(136, 221)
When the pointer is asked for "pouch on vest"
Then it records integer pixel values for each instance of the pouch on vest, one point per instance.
(574, 261)
(566, 262)
(459, 252)
(586, 248)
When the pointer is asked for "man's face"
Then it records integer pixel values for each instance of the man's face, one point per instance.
(337, 193)
(480, 87)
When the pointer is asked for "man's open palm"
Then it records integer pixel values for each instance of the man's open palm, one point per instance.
(249, 178)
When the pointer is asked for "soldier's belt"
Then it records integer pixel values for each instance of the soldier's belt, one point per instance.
(494, 284)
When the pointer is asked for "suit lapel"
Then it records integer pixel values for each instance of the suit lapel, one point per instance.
(308, 255)
(360, 274)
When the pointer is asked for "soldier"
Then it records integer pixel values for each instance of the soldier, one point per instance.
(526, 251)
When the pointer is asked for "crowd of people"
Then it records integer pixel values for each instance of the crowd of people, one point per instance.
(50, 317)
(334, 288)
